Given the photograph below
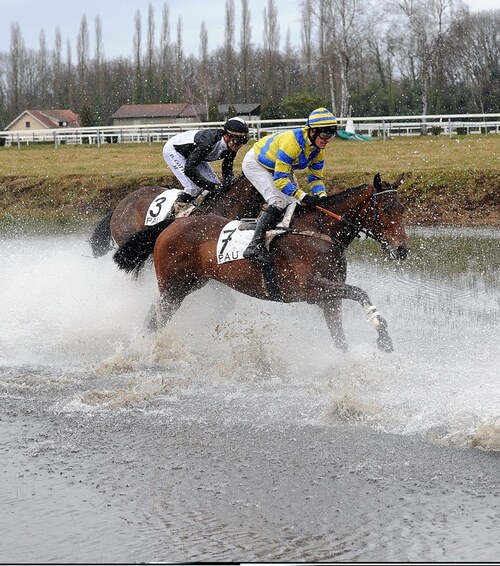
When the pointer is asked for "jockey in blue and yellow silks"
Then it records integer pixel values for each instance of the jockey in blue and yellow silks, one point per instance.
(286, 151)
(269, 166)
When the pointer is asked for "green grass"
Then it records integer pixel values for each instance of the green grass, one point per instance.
(453, 180)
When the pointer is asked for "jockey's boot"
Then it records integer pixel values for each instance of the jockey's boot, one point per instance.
(184, 197)
(182, 202)
(256, 249)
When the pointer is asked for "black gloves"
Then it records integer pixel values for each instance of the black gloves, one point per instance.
(310, 200)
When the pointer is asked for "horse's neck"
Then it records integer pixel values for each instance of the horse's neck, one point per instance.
(352, 206)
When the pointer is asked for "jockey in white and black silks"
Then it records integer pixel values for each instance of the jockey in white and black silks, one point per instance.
(188, 153)
(269, 166)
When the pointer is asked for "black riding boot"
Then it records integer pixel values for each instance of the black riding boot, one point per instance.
(257, 250)
(184, 197)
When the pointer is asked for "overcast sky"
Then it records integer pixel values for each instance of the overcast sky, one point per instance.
(118, 21)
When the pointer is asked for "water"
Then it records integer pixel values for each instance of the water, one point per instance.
(239, 433)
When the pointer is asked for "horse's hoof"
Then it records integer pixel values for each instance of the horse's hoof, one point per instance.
(385, 343)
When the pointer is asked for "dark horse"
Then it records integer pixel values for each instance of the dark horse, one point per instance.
(308, 261)
(125, 224)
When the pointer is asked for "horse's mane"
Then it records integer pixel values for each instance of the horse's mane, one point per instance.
(212, 197)
(338, 198)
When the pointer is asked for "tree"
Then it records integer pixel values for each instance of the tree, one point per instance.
(213, 112)
(301, 104)
(271, 49)
(229, 55)
(17, 55)
(203, 79)
(98, 74)
(150, 91)
(165, 56)
(82, 54)
(138, 79)
(245, 52)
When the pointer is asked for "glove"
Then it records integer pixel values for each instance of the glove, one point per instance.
(310, 200)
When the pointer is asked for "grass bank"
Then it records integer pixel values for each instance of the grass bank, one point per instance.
(448, 181)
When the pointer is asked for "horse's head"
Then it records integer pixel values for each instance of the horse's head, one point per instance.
(384, 218)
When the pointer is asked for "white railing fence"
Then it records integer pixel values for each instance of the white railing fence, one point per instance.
(383, 127)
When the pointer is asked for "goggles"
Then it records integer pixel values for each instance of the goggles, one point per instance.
(327, 134)
(239, 140)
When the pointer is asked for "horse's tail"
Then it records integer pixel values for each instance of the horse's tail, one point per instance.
(132, 255)
(100, 241)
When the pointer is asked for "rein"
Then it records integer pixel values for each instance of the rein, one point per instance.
(357, 227)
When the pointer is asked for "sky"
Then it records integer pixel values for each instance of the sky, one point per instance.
(118, 21)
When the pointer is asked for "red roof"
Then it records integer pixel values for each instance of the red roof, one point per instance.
(55, 118)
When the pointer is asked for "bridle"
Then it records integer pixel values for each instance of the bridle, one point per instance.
(358, 228)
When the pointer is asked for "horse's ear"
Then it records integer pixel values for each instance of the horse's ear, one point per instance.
(377, 182)
(400, 181)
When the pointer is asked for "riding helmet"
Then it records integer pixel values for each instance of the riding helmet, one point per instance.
(321, 118)
(236, 127)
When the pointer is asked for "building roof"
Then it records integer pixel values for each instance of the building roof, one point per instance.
(177, 110)
(248, 108)
(54, 118)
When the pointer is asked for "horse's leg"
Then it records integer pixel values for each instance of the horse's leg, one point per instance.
(332, 312)
(161, 312)
(338, 291)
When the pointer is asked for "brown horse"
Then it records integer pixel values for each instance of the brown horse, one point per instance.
(127, 220)
(308, 260)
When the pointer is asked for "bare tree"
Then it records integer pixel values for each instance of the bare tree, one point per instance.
(138, 79)
(271, 50)
(245, 51)
(69, 90)
(82, 54)
(150, 91)
(426, 21)
(306, 32)
(203, 76)
(178, 88)
(17, 55)
(229, 54)
(165, 56)
(99, 70)
(476, 57)
(58, 72)
(42, 93)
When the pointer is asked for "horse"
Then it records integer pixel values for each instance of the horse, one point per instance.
(308, 262)
(125, 225)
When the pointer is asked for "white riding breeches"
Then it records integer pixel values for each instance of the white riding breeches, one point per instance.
(262, 179)
(177, 164)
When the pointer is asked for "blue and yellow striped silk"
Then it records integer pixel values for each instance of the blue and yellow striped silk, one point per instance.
(285, 151)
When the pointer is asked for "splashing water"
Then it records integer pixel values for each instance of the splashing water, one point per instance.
(73, 325)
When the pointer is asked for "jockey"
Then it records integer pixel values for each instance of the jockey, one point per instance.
(269, 166)
(187, 154)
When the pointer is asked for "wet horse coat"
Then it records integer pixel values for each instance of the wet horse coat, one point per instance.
(309, 262)
(128, 218)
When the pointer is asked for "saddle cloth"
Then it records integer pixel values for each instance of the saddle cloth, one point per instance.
(235, 237)
(161, 206)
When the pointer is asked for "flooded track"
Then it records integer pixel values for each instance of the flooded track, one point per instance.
(239, 433)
